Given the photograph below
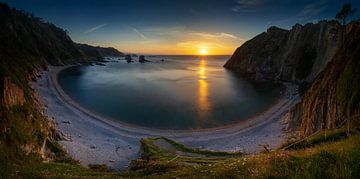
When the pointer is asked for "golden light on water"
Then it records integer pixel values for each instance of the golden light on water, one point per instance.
(203, 101)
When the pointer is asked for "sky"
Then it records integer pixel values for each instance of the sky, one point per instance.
(176, 26)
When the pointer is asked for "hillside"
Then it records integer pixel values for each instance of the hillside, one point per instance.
(299, 54)
(28, 43)
(27, 46)
(99, 52)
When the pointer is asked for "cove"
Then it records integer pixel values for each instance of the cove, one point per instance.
(180, 93)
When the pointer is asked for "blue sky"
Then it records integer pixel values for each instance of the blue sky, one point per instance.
(174, 26)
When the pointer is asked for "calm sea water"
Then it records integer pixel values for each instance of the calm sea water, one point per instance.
(183, 92)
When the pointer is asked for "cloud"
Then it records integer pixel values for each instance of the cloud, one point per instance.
(248, 5)
(215, 35)
(313, 9)
(95, 28)
(198, 44)
(140, 34)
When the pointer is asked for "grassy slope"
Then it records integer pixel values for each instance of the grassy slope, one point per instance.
(324, 159)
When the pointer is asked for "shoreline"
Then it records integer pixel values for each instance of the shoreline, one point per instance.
(119, 143)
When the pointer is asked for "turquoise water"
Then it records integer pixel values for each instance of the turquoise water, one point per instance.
(183, 92)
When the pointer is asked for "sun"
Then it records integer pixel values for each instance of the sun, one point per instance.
(203, 51)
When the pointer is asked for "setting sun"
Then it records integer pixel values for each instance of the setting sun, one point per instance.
(203, 51)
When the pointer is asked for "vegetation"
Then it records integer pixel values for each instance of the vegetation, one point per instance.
(29, 44)
(337, 159)
(348, 88)
(345, 12)
(342, 16)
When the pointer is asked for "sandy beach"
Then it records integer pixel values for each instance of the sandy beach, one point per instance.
(92, 139)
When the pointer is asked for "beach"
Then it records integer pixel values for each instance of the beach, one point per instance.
(93, 139)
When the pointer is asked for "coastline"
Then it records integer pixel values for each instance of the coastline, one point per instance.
(97, 140)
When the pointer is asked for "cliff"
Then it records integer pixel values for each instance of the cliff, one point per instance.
(12, 94)
(99, 52)
(335, 93)
(314, 55)
(28, 45)
(299, 54)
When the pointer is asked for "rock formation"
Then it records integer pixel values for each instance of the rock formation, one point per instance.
(335, 93)
(12, 94)
(142, 59)
(312, 54)
(299, 54)
(128, 58)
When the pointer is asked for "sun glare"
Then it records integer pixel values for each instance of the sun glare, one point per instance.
(203, 51)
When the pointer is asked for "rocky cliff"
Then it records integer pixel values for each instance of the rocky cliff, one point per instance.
(28, 45)
(335, 93)
(12, 94)
(312, 54)
(299, 54)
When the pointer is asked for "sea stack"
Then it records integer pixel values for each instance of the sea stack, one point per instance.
(142, 59)
(128, 58)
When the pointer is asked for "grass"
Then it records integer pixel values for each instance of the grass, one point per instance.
(339, 159)
(184, 148)
(336, 159)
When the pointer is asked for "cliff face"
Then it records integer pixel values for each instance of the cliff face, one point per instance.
(335, 93)
(27, 45)
(12, 94)
(299, 54)
(258, 57)
(315, 54)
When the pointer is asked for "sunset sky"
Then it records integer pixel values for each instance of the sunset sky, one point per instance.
(176, 27)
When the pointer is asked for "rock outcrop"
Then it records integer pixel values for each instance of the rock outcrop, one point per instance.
(312, 54)
(335, 93)
(12, 94)
(299, 54)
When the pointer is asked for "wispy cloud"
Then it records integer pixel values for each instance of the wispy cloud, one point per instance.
(248, 5)
(140, 34)
(313, 9)
(198, 44)
(95, 28)
(215, 35)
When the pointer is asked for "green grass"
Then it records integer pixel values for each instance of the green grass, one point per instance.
(184, 148)
(335, 159)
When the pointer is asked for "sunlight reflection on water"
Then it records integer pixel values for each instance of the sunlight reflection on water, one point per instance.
(181, 93)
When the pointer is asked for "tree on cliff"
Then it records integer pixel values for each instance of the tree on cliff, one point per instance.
(343, 14)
